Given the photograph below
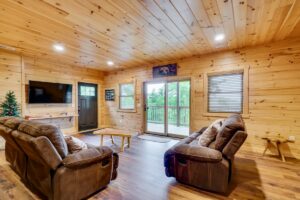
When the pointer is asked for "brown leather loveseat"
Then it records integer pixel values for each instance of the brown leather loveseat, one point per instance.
(207, 167)
(39, 154)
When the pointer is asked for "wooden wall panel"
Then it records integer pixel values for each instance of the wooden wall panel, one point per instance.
(42, 70)
(10, 74)
(274, 91)
(16, 71)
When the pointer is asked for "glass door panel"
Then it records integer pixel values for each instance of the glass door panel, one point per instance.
(172, 107)
(184, 107)
(172, 103)
(155, 108)
(178, 97)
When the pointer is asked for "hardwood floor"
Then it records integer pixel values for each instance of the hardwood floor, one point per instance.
(141, 176)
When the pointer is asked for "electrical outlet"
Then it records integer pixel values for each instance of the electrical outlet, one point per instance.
(291, 138)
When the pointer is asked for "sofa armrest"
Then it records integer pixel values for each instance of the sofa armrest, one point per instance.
(234, 144)
(198, 153)
(87, 157)
(170, 153)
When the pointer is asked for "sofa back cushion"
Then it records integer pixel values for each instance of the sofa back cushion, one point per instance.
(38, 149)
(13, 122)
(230, 126)
(5, 132)
(54, 134)
(7, 125)
(209, 135)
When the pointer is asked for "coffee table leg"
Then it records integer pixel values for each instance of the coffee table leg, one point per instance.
(280, 151)
(267, 146)
(122, 145)
(101, 140)
(128, 141)
(112, 139)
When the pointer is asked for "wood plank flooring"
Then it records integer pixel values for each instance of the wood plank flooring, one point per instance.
(141, 177)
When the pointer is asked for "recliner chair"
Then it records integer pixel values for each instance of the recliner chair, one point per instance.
(46, 165)
(207, 167)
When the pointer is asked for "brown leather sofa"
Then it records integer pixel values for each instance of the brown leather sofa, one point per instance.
(207, 167)
(39, 154)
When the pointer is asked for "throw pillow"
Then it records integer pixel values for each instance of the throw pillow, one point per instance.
(74, 144)
(209, 135)
(2, 143)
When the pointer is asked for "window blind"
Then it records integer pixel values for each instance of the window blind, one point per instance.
(225, 93)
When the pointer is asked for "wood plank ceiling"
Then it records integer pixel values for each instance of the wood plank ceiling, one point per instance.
(138, 32)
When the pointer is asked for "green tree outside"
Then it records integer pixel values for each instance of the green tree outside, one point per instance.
(156, 98)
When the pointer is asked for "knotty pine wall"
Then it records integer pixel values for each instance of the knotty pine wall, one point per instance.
(10, 74)
(274, 91)
(16, 71)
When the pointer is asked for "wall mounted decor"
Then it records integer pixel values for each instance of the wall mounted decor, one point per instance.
(109, 95)
(164, 70)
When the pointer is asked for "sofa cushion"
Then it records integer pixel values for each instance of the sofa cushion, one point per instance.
(209, 135)
(13, 122)
(75, 144)
(36, 129)
(230, 126)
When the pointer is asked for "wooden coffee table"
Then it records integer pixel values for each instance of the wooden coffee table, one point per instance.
(278, 140)
(114, 132)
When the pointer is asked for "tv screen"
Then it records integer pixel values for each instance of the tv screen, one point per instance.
(44, 92)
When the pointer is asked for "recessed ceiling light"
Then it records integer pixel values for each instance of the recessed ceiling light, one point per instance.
(58, 47)
(219, 37)
(110, 63)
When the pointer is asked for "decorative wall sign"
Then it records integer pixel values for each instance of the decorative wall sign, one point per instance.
(109, 95)
(165, 70)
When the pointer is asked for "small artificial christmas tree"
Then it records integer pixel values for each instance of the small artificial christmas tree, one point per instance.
(10, 106)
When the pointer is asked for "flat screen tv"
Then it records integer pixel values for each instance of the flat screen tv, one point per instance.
(44, 92)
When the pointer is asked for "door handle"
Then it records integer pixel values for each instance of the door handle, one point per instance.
(146, 107)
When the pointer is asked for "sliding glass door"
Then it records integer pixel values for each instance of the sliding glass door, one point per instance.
(167, 107)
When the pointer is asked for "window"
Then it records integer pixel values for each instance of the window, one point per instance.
(225, 93)
(126, 101)
(87, 91)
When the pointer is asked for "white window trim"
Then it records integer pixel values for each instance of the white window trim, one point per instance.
(134, 97)
(245, 109)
